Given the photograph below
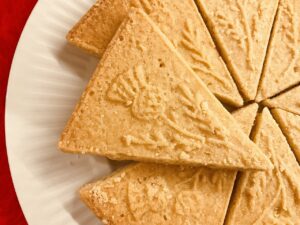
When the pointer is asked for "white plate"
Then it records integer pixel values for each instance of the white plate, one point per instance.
(46, 80)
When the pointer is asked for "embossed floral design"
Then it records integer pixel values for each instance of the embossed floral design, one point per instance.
(231, 29)
(252, 192)
(186, 205)
(126, 86)
(188, 192)
(191, 37)
(148, 197)
(243, 34)
(242, 5)
(149, 103)
(153, 196)
(283, 177)
(199, 177)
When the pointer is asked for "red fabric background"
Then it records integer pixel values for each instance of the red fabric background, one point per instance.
(13, 16)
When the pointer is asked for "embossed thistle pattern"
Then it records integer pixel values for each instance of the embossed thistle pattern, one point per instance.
(258, 182)
(148, 197)
(188, 193)
(149, 103)
(190, 41)
(194, 182)
(153, 196)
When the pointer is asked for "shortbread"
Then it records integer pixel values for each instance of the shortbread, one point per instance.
(144, 194)
(146, 104)
(241, 30)
(273, 196)
(246, 116)
(290, 126)
(165, 194)
(178, 20)
(282, 67)
(184, 195)
(289, 101)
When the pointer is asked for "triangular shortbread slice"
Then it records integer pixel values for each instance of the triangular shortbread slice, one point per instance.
(271, 197)
(164, 195)
(246, 116)
(241, 30)
(178, 20)
(290, 126)
(282, 67)
(289, 101)
(143, 194)
(147, 104)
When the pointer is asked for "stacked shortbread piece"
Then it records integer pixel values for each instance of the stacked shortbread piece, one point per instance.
(204, 96)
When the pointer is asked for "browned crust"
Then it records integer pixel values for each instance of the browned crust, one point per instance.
(72, 36)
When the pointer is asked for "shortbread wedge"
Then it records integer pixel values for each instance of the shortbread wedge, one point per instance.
(241, 30)
(290, 126)
(147, 104)
(282, 67)
(165, 195)
(178, 20)
(289, 101)
(271, 197)
(246, 116)
(144, 194)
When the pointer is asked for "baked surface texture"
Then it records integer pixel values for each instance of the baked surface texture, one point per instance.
(241, 30)
(165, 194)
(282, 67)
(271, 197)
(289, 124)
(145, 103)
(246, 116)
(153, 98)
(178, 20)
(288, 101)
(161, 194)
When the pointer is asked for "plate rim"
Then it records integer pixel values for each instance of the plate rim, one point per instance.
(16, 56)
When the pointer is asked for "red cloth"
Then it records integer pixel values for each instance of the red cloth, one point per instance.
(13, 15)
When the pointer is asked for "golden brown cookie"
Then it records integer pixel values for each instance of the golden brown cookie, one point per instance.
(282, 67)
(290, 126)
(178, 20)
(289, 101)
(246, 116)
(273, 196)
(161, 194)
(145, 103)
(164, 195)
(241, 30)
